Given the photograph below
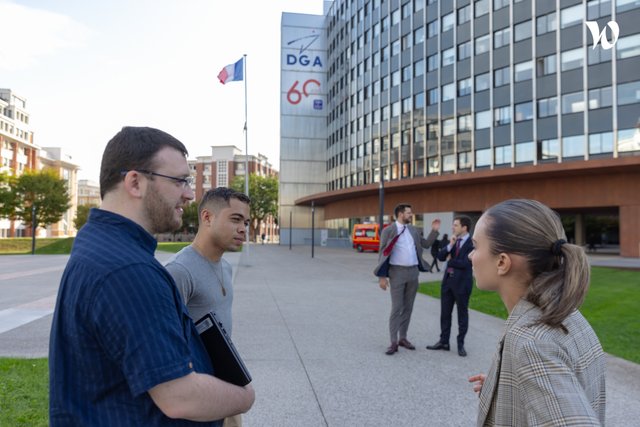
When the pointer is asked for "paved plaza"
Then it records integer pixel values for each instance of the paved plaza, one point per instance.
(313, 332)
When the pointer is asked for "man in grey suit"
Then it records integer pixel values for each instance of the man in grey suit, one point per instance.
(399, 263)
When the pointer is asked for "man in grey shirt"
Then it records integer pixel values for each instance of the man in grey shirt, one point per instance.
(202, 276)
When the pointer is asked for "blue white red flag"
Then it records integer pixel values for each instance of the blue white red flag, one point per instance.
(231, 73)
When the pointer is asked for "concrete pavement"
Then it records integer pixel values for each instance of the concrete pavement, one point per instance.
(313, 334)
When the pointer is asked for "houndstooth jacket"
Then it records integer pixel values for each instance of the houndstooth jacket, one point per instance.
(542, 376)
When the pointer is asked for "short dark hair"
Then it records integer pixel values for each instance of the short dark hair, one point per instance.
(130, 149)
(465, 221)
(400, 208)
(219, 198)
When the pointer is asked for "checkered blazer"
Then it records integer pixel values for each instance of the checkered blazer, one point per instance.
(542, 376)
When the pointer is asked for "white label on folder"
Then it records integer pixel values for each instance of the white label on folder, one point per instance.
(204, 325)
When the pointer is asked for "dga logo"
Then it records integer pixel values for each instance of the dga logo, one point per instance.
(602, 36)
(301, 58)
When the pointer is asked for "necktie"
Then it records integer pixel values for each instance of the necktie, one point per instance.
(458, 242)
(392, 243)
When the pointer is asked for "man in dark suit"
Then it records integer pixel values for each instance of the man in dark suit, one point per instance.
(456, 284)
(399, 263)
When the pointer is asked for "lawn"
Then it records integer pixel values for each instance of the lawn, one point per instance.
(172, 246)
(24, 393)
(610, 307)
(44, 246)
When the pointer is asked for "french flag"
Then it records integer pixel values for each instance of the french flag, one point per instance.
(231, 73)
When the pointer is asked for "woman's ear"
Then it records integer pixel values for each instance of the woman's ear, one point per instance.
(503, 264)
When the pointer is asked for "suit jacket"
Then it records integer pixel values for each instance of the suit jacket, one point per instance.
(382, 269)
(462, 280)
(542, 376)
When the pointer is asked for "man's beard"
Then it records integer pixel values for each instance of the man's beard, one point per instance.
(160, 213)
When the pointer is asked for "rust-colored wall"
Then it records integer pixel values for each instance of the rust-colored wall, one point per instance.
(604, 184)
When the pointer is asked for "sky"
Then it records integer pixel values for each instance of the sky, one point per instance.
(88, 68)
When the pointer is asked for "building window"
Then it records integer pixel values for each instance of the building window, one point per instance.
(432, 29)
(524, 111)
(501, 38)
(448, 22)
(418, 68)
(448, 57)
(596, 56)
(546, 65)
(525, 152)
(395, 48)
(223, 177)
(523, 71)
(546, 24)
(573, 102)
(418, 5)
(629, 93)
(570, 16)
(418, 100)
(418, 36)
(406, 10)
(573, 146)
(406, 105)
(483, 157)
(483, 82)
(624, 5)
(598, 8)
(481, 7)
(628, 140)
(501, 76)
(600, 98)
(628, 46)
(482, 44)
(522, 31)
(432, 62)
(571, 59)
(502, 116)
(448, 92)
(483, 119)
(503, 154)
(601, 143)
(449, 163)
(499, 4)
(464, 50)
(464, 123)
(464, 87)
(395, 78)
(448, 127)
(395, 17)
(432, 96)
(407, 41)
(395, 109)
(464, 14)
(549, 149)
(406, 73)
(548, 107)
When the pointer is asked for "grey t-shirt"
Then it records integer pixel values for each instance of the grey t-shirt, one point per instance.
(198, 280)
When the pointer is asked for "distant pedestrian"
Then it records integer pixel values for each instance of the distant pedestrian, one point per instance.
(435, 248)
(549, 368)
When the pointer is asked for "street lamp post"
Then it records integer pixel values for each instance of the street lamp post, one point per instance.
(33, 229)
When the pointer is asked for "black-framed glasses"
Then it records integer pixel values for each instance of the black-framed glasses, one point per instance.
(185, 182)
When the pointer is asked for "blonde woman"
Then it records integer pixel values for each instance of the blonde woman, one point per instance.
(549, 368)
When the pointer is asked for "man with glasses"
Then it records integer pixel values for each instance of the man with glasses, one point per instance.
(123, 350)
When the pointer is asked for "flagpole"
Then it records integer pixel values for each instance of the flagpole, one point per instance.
(246, 151)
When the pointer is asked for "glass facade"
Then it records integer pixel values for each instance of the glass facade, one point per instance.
(419, 88)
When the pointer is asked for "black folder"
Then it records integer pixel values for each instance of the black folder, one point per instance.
(227, 364)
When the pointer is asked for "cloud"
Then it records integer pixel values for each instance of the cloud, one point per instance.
(30, 34)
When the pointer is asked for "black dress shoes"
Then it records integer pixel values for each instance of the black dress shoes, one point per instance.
(393, 348)
(438, 346)
(462, 352)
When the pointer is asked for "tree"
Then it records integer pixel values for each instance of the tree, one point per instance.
(44, 189)
(82, 215)
(190, 218)
(7, 196)
(263, 191)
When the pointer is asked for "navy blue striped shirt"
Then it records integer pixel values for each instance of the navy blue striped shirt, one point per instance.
(119, 329)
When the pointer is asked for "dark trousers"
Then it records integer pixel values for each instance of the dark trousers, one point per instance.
(452, 293)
